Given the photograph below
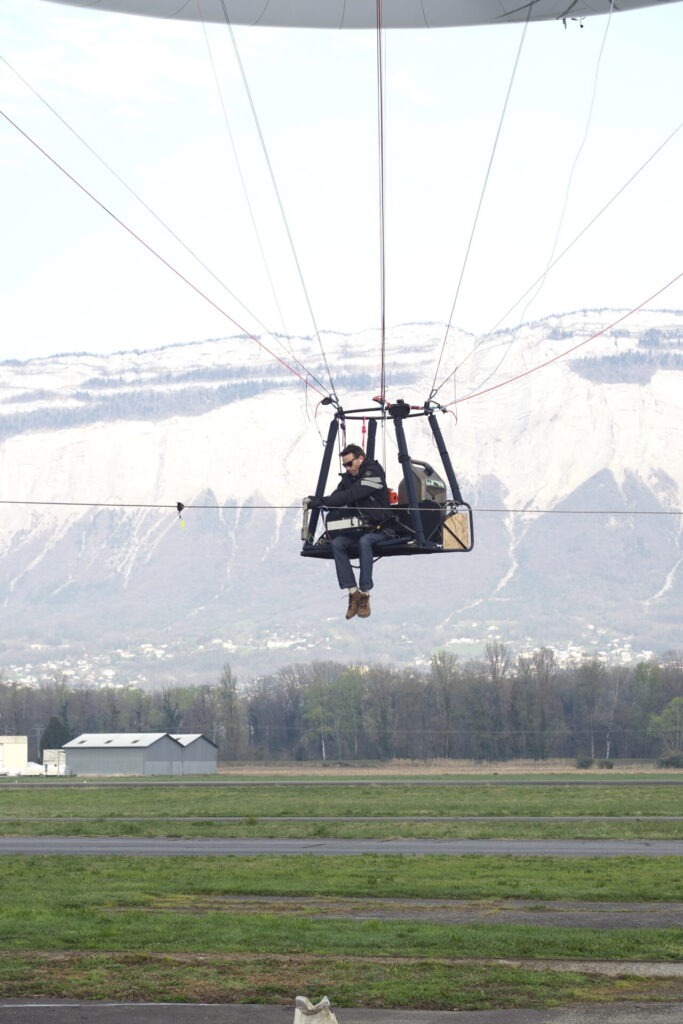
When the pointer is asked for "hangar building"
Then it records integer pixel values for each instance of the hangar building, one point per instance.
(124, 753)
(140, 753)
(200, 755)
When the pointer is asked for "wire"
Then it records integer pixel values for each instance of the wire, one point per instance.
(561, 355)
(306, 379)
(382, 263)
(481, 201)
(149, 210)
(572, 171)
(281, 508)
(277, 192)
(539, 284)
(554, 263)
(240, 172)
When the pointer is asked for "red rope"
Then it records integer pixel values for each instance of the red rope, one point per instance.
(561, 355)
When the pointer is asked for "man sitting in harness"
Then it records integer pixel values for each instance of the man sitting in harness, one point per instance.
(363, 489)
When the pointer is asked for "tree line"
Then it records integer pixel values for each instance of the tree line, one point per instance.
(498, 707)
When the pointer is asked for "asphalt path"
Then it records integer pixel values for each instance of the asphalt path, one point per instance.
(493, 780)
(160, 847)
(236, 818)
(26, 1012)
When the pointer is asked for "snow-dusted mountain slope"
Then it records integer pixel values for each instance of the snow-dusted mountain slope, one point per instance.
(131, 592)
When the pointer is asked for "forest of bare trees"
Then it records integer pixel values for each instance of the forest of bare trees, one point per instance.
(495, 708)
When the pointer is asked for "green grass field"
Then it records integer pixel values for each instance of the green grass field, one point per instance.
(62, 804)
(162, 928)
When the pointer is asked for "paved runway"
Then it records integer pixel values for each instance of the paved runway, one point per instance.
(26, 1012)
(365, 818)
(491, 780)
(158, 847)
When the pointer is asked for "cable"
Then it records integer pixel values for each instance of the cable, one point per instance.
(481, 200)
(277, 193)
(380, 139)
(561, 355)
(149, 210)
(557, 259)
(180, 507)
(243, 182)
(572, 171)
(158, 256)
(538, 286)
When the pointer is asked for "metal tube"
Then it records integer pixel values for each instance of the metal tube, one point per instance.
(445, 459)
(372, 433)
(404, 459)
(322, 478)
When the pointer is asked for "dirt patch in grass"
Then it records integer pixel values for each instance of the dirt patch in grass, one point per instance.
(350, 981)
(558, 913)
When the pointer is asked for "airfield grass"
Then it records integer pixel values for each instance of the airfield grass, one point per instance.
(50, 902)
(153, 928)
(139, 928)
(175, 811)
(434, 984)
(383, 982)
(41, 883)
(253, 828)
(362, 799)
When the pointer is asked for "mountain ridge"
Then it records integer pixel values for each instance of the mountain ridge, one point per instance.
(226, 583)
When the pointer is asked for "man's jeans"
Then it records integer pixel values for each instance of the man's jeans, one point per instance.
(342, 562)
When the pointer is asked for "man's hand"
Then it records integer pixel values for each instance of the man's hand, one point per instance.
(314, 502)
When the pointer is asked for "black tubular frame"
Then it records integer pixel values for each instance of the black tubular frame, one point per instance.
(417, 544)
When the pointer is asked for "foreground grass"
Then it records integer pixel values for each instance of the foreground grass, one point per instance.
(85, 928)
(252, 827)
(385, 982)
(35, 883)
(168, 930)
(82, 799)
(139, 904)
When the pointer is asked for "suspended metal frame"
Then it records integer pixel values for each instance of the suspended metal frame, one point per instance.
(428, 527)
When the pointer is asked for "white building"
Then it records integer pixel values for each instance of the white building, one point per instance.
(54, 762)
(13, 754)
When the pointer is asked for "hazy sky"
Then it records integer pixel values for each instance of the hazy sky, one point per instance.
(143, 95)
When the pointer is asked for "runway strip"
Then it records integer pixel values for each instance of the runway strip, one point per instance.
(159, 847)
(26, 1012)
(371, 818)
(279, 783)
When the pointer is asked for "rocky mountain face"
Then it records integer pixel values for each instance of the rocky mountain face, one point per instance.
(574, 471)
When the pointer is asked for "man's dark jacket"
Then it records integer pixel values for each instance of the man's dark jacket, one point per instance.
(366, 493)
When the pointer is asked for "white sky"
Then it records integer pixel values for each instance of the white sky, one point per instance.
(142, 93)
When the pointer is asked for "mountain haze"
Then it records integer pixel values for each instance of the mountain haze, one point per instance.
(133, 593)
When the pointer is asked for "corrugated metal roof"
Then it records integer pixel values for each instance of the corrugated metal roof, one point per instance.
(189, 737)
(115, 739)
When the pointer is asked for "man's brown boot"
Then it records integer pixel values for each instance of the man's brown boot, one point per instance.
(363, 605)
(354, 604)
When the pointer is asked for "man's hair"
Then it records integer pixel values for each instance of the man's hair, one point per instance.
(353, 449)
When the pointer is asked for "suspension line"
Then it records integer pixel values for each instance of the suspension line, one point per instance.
(303, 377)
(382, 182)
(277, 194)
(305, 372)
(434, 389)
(484, 338)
